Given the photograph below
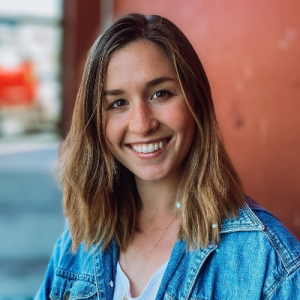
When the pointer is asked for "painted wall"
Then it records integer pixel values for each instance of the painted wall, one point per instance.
(251, 53)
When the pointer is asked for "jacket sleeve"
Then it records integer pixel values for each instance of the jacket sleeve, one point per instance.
(290, 287)
(56, 256)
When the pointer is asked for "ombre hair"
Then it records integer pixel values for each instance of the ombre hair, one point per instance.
(99, 194)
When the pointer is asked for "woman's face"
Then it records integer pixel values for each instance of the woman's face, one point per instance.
(140, 88)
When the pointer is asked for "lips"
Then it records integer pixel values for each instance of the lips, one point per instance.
(149, 147)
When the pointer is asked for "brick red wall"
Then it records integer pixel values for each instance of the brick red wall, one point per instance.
(251, 53)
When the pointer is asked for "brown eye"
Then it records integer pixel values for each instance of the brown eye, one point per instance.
(119, 103)
(161, 94)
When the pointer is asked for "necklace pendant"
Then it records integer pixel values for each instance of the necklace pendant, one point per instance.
(125, 297)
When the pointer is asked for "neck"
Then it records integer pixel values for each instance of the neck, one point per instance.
(157, 197)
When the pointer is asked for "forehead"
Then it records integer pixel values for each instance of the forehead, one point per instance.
(138, 62)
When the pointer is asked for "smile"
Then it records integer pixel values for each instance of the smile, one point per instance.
(149, 148)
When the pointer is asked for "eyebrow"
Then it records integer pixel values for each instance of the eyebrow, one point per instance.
(150, 83)
(159, 80)
(112, 93)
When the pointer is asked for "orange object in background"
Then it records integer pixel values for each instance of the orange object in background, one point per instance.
(18, 86)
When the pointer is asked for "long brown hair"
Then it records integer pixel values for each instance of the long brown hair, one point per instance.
(99, 194)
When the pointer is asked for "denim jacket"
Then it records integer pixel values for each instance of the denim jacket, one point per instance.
(256, 258)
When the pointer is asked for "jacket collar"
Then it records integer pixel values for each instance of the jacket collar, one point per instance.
(246, 220)
(105, 263)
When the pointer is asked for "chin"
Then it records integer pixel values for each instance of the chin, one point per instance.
(145, 177)
(157, 175)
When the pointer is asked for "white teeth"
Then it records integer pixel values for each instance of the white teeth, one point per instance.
(145, 149)
(149, 148)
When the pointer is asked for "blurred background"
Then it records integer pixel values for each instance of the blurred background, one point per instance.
(31, 215)
(250, 51)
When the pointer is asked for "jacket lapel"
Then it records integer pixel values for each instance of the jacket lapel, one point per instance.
(183, 267)
(188, 263)
(105, 269)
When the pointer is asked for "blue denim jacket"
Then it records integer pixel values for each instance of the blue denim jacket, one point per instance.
(257, 258)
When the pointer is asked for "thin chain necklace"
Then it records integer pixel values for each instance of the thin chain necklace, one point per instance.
(159, 240)
(125, 297)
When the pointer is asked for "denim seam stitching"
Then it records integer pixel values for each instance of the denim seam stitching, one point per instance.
(254, 217)
(197, 273)
(274, 287)
(276, 248)
(256, 224)
(64, 273)
(95, 273)
(288, 262)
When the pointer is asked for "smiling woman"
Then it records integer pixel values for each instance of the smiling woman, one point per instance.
(151, 95)
(155, 209)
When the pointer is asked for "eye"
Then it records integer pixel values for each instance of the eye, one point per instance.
(161, 94)
(118, 104)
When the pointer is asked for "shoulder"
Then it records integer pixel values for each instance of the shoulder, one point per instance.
(281, 240)
(68, 273)
(77, 262)
(261, 249)
(256, 258)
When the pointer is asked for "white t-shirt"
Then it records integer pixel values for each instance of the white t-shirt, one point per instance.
(122, 285)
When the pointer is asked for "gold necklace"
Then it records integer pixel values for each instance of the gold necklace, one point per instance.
(125, 296)
(159, 240)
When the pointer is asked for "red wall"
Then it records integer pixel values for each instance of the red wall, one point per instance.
(251, 53)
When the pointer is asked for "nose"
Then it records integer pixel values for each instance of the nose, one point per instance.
(141, 119)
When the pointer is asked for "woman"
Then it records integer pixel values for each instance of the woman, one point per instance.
(155, 209)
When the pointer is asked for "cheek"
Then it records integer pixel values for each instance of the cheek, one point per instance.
(183, 119)
(113, 132)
